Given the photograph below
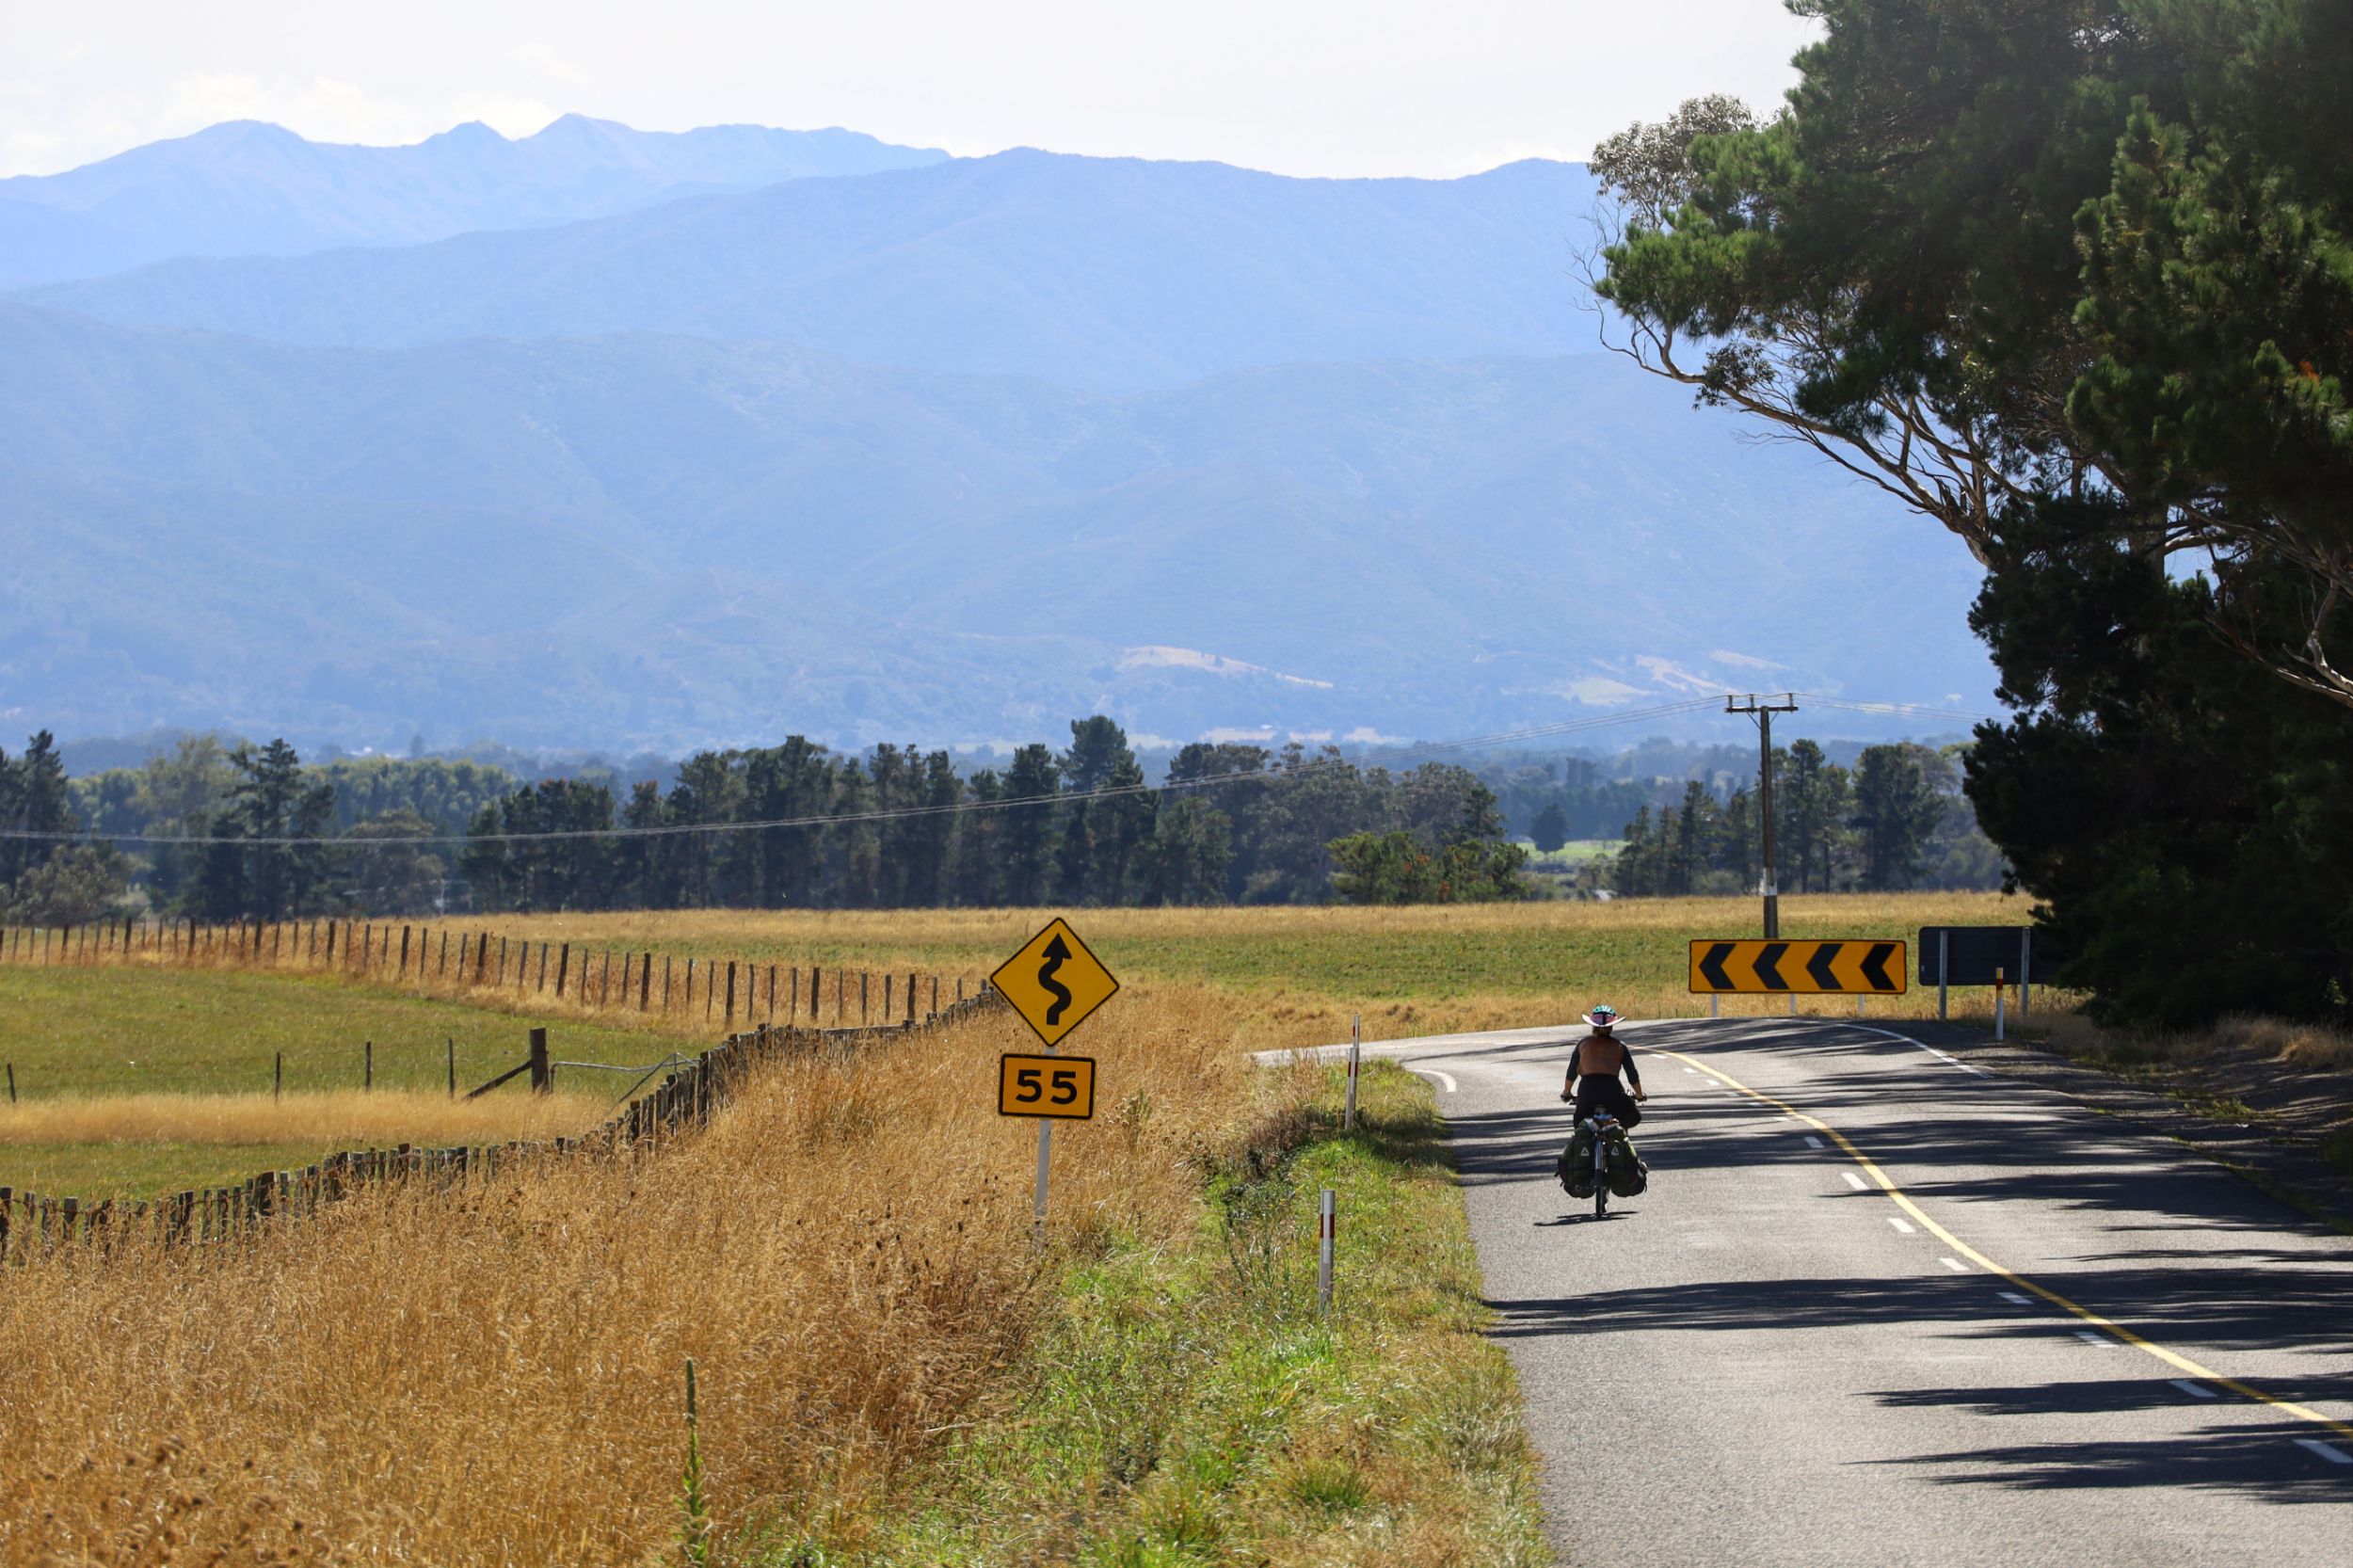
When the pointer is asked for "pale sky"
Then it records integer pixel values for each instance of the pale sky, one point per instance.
(1436, 88)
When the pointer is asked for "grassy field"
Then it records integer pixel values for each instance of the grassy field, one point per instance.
(1294, 976)
(889, 1374)
(1302, 970)
(140, 1145)
(1187, 1405)
(137, 1080)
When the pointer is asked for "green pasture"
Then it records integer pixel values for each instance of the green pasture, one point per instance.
(93, 1031)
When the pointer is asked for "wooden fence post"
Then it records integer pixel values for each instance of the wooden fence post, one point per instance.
(862, 978)
(890, 1011)
(563, 966)
(731, 1019)
(278, 1079)
(453, 1066)
(645, 980)
(910, 998)
(404, 949)
(542, 1076)
(367, 1066)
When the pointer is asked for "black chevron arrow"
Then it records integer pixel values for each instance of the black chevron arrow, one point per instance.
(1875, 966)
(1818, 965)
(1712, 967)
(1765, 970)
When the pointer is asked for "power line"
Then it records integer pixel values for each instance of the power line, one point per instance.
(1390, 758)
(1899, 710)
(1386, 758)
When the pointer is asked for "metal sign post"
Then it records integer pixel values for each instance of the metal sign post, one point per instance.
(1943, 973)
(1355, 1049)
(1044, 1168)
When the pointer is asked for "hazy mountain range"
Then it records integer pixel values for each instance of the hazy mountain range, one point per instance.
(246, 189)
(950, 452)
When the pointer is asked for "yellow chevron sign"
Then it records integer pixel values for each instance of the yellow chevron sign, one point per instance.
(1866, 968)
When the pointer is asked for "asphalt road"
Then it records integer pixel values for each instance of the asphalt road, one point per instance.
(1773, 1356)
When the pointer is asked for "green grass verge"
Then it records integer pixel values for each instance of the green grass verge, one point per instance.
(86, 1033)
(1191, 1407)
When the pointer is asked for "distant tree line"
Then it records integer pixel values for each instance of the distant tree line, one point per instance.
(899, 828)
(1896, 820)
(225, 831)
(222, 830)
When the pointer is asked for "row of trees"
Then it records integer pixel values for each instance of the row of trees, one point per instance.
(899, 828)
(247, 830)
(2070, 281)
(1895, 819)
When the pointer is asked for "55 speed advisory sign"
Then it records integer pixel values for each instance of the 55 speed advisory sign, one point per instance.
(1045, 1086)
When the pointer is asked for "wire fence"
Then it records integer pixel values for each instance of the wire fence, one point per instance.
(696, 1088)
(462, 962)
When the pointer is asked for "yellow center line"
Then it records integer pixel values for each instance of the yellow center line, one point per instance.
(2119, 1331)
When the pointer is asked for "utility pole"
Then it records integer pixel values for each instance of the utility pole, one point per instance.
(1763, 713)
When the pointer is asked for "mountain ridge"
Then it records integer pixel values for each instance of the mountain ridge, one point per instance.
(249, 187)
(1115, 274)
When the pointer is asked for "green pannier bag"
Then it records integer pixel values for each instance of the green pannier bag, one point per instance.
(1627, 1173)
(1575, 1165)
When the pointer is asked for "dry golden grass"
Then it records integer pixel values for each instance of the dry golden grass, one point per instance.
(339, 1119)
(1303, 971)
(494, 1376)
(2296, 1045)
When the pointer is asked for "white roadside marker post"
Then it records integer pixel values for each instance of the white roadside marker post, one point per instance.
(2000, 983)
(1356, 1047)
(1323, 1256)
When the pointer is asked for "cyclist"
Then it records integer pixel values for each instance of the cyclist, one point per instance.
(1594, 1069)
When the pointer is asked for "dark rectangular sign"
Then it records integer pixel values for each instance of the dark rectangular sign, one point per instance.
(1974, 951)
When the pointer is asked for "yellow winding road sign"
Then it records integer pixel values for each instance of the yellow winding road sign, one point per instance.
(1053, 982)
(1865, 968)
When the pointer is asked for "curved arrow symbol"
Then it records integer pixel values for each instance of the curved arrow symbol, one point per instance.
(1875, 966)
(1818, 965)
(1057, 953)
(1712, 967)
(1766, 970)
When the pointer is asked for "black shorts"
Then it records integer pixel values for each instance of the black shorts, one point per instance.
(1610, 1096)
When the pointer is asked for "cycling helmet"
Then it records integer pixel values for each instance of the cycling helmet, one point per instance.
(1604, 1017)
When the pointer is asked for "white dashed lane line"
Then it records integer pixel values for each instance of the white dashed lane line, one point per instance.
(1955, 1264)
(2329, 1451)
(2098, 1341)
(1855, 1181)
(1902, 1227)
(2013, 1298)
(1812, 1142)
(2196, 1390)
